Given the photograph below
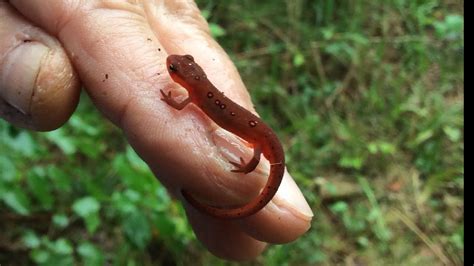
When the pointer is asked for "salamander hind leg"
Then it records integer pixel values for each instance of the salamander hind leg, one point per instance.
(246, 168)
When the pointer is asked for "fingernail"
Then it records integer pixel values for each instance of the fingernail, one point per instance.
(232, 148)
(19, 71)
(294, 199)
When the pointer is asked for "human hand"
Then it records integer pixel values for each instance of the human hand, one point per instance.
(117, 50)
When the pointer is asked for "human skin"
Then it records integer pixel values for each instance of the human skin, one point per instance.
(117, 51)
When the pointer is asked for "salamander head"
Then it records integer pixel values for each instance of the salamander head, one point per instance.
(184, 70)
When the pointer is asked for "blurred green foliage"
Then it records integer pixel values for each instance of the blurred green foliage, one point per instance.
(368, 99)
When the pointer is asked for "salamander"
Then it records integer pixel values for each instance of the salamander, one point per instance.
(235, 119)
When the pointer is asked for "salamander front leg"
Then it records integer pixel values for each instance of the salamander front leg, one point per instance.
(172, 102)
(246, 168)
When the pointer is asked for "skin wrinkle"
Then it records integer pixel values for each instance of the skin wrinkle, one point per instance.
(35, 81)
(135, 73)
(218, 181)
(158, 14)
(123, 112)
(230, 148)
(62, 19)
(25, 32)
(15, 44)
(213, 178)
(136, 95)
(135, 7)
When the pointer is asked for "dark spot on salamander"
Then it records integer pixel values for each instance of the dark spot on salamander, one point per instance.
(210, 95)
(222, 106)
(252, 123)
(26, 41)
(159, 49)
(172, 67)
(106, 76)
(217, 102)
(148, 39)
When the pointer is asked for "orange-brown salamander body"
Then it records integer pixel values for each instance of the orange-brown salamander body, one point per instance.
(234, 118)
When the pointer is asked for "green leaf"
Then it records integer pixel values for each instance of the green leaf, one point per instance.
(340, 50)
(17, 200)
(373, 148)
(132, 195)
(358, 38)
(424, 136)
(331, 188)
(31, 240)
(40, 187)
(86, 206)
(328, 33)
(452, 27)
(82, 126)
(51, 253)
(61, 180)
(205, 13)
(91, 255)
(216, 30)
(454, 134)
(7, 170)
(298, 59)
(339, 207)
(24, 144)
(135, 160)
(65, 143)
(122, 204)
(60, 220)
(62, 246)
(40, 256)
(88, 209)
(375, 214)
(92, 222)
(363, 241)
(351, 162)
(165, 225)
(137, 229)
(387, 148)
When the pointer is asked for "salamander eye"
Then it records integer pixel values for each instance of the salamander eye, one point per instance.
(172, 67)
(189, 57)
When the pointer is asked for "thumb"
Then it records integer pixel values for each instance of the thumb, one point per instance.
(39, 89)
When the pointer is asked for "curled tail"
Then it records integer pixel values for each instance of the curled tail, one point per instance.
(277, 169)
